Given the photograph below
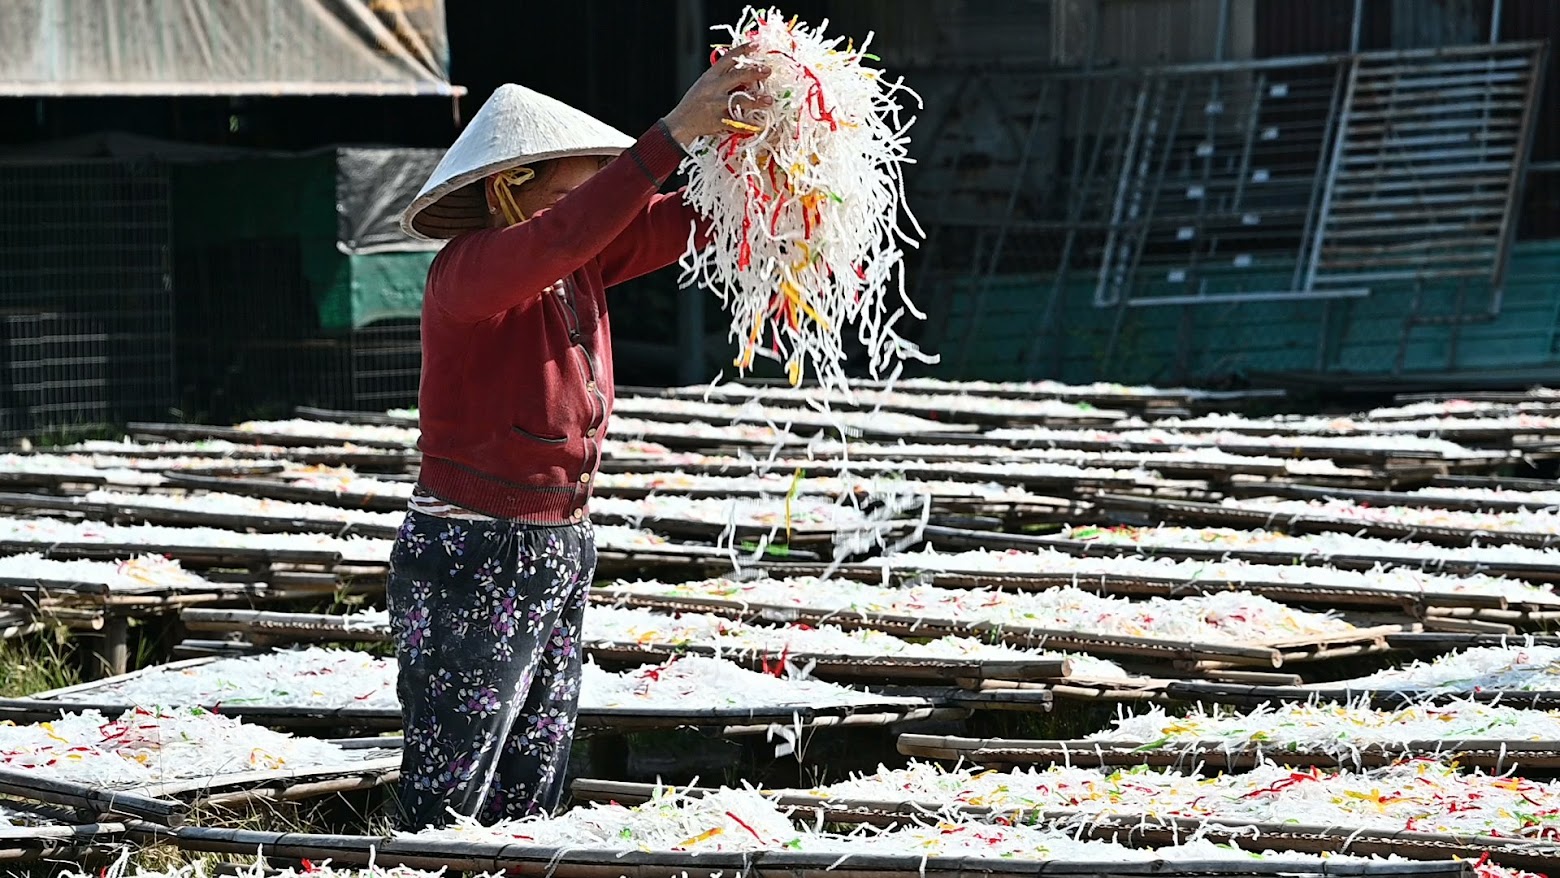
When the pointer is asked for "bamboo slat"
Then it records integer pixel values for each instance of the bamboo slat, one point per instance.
(196, 432)
(275, 490)
(1132, 829)
(1225, 516)
(290, 627)
(1415, 604)
(1495, 755)
(379, 419)
(1432, 643)
(189, 556)
(967, 539)
(27, 785)
(585, 863)
(1392, 498)
(1254, 696)
(1260, 655)
(27, 503)
(50, 705)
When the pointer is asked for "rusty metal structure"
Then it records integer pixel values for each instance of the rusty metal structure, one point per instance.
(1154, 191)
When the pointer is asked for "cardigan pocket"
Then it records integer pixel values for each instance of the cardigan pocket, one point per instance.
(527, 434)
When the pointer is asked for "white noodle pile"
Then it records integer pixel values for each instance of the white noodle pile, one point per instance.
(143, 470)
(997, 472)
(310, 677)
(1170, 440)
(730, 820)
(1323, 545)
(1209, 456)
(1530, 498)
(1440, 409)
(778, 484)
(331, 430)
(635, 428)
(1046, 561)
(116, 471)
(1495, 523)
(144, 747)
(221, 451)
(897, 400)
(696, 683)
(1418, 796)
(802, 513)
(617, 538)
(1336, 729)
(1330, 426)
(212, 868)
(315, 677)
(355, 550)
(1016, 389)
(343, 480)
(146, 571)
(660, 409)
(1227, 617)
(633, 449)
(804, 199)
(47, 532)
(217, 503)
(620, 625)
(624, 625)
(1519, 668)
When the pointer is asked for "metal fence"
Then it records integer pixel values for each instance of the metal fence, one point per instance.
(86, 298)
(1304, 178)
(250, 342)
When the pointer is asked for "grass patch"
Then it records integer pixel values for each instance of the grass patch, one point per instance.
(37, 664)
(368, 812)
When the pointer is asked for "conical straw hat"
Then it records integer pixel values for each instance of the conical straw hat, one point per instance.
(517, 126)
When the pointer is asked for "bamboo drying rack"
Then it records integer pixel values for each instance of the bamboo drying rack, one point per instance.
(45, 706)
(148, 514)
(587, 863)
(944, 537)
(1135, 830)
(1226, 516)
(1297, 491)
(198, 432)
(1255, 696)
(1214, 755)
(1412, 604)
(1185, 655)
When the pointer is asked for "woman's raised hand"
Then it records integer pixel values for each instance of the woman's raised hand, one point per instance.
(706, 106)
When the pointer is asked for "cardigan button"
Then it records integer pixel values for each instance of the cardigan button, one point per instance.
(591, 433)
(584, 478)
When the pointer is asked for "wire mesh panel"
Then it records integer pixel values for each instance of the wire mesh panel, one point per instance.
(1208, 173)
(86, 304)
(1340, 173)
(1424, 179)
(386, 365)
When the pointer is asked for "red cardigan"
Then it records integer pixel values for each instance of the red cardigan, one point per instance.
(517, 351)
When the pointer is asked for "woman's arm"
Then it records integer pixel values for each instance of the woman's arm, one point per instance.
(656, 238)
(487, 272)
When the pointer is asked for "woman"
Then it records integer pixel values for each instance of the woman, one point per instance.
(546, 208)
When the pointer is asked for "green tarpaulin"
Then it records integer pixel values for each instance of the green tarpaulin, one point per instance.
(339, 207)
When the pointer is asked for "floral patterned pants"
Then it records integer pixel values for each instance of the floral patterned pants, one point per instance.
(486, 618)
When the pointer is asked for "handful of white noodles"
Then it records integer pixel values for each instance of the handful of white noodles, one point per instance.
(804, 198)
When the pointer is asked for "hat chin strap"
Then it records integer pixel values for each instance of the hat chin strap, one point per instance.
(502, 186)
